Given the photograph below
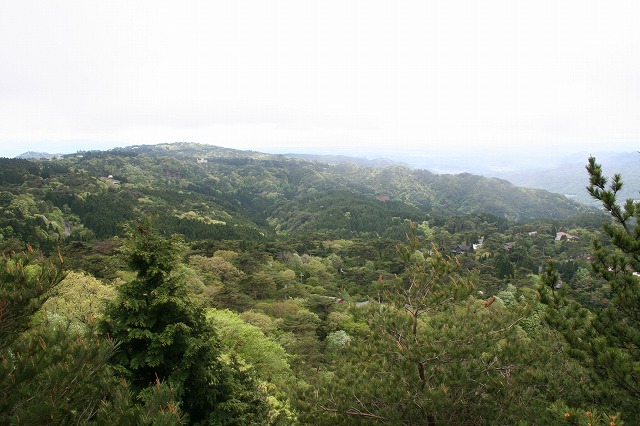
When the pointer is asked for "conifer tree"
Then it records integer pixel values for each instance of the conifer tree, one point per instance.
(615, 346)
(54, 372)
(607, 341)
(164, 336)
(25, 281)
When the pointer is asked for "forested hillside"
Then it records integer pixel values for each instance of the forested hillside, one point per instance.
(190, 284)
(210, 192)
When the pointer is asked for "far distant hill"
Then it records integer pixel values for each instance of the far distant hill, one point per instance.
(339, 159)
(35, 155)
(570, 178)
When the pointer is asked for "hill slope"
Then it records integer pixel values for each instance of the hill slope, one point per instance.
(207, 192)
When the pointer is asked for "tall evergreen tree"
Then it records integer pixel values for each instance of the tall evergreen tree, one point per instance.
(616, 344)
(607, 340)
(164, 336)
(54, 371)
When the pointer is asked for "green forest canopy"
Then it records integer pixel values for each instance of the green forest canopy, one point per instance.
(382, 295)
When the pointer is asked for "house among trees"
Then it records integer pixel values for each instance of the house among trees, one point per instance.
(561, 235)
(479, 243)
(461, 248)
(111, 180)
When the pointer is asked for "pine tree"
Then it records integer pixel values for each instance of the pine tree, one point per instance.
(615, 348)
(607, 340)
(25, 278)
(433, 354)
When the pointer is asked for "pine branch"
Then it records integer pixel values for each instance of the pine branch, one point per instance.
(353, 412)
(492, 332)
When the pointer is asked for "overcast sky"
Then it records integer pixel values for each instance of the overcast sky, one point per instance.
(343, 76)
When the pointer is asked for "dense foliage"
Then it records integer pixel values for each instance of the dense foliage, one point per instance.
(54, 370)
(240, 195)
(165, 337)
(259, 289)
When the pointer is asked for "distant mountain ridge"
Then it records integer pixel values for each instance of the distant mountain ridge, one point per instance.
(209, 192)
(338, 159)
(570, 178)
(36, 155)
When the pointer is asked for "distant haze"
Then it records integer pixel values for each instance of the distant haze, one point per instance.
(497, 81)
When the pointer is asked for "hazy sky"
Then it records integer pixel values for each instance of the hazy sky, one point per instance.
(342, 76)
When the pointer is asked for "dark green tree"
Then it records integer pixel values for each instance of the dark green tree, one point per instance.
(615, 346)
(53, 371)
(607, 340)
(503, 266)
(164, 336)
